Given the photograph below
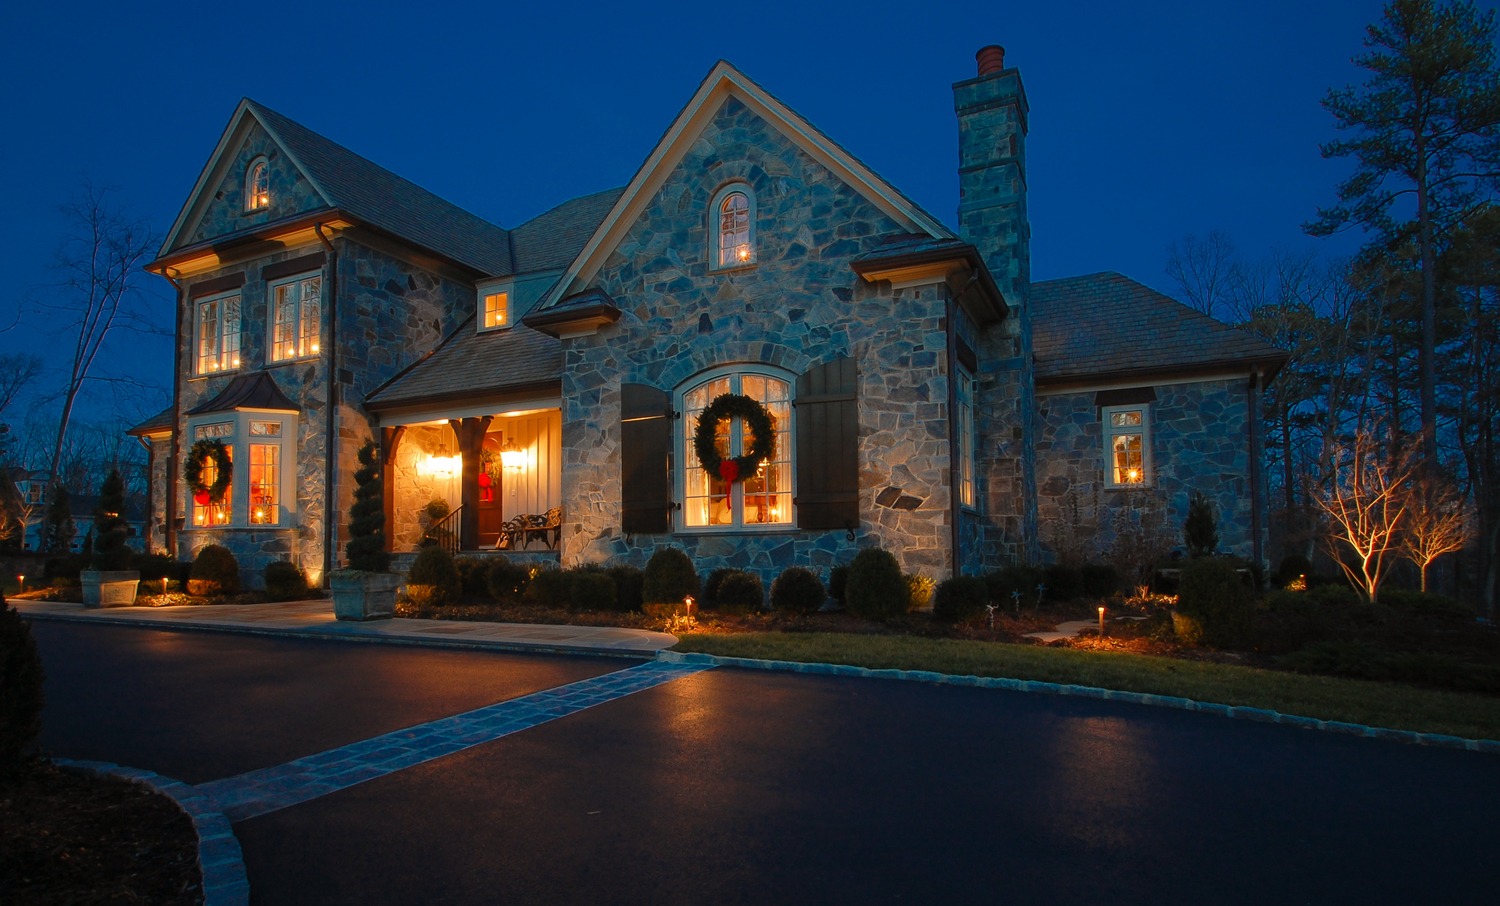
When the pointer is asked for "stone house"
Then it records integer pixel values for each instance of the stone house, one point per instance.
(891, 380)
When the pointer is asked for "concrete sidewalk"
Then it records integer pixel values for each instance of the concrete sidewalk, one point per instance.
(314, 619)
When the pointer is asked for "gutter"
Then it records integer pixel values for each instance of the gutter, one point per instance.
(330, 533)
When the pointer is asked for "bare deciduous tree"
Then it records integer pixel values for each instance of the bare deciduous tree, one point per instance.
(1366, 503)
(1437, 521)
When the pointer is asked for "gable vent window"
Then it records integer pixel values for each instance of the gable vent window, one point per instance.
(258, 186)
(734, 233)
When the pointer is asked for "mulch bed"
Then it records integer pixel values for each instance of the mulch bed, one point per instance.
(74, 838)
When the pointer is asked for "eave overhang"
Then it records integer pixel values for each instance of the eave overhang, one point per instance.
(579, 315)
(924, 261)
(265, 239)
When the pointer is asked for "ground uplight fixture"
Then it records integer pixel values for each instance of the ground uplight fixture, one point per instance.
(1101, 621)
(21, 581)
(688, 606)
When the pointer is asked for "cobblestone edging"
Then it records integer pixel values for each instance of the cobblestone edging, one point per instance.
(1238, 712)
(219, 858)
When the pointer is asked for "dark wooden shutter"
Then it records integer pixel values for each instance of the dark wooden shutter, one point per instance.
(645, 448)
(828, 447)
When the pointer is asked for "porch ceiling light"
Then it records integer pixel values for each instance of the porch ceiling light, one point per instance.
(443, 466)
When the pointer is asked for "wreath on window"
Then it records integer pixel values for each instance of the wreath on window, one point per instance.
(762, 436)
(192, 471)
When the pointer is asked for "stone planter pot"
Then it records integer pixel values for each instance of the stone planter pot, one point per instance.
(109, 588)
(360, 595)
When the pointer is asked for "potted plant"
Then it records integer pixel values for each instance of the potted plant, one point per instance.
(365, 589)
(110, 582)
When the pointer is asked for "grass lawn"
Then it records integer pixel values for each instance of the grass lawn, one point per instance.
(1392, 705)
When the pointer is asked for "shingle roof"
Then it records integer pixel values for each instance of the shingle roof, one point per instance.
(256, 390)
(552, 240)
(381, 198)
(1106, 325)
(161, 421)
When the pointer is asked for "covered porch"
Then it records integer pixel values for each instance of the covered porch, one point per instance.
(475, 483)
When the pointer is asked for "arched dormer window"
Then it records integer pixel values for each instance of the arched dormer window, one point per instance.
(258, 185)
(734, 226)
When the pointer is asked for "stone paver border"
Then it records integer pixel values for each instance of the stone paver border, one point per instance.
(1238, 712)
(220, 861)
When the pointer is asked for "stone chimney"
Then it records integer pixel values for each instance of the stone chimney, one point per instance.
(992, 117)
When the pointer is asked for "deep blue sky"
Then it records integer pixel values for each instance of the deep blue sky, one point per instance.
(1149, 120)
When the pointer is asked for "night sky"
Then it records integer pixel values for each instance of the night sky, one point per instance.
(1149, 120)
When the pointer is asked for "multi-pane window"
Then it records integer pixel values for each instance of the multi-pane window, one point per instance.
(258, 186)
(496, 309)
(964, 395)
(265, 484)
(1126, 438)
(208, 512)
(764, 498)
(296, 312)
(218, 333)
(734, 240)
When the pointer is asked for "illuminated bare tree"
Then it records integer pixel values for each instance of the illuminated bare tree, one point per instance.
(1366, 503)
(1437, 522)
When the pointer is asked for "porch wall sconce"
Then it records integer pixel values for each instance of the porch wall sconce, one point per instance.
(442, 466)
(512, 457)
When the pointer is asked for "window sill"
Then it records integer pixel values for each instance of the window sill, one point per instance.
(733, 268)
(310, 357)
(721, 530)
(222, 372)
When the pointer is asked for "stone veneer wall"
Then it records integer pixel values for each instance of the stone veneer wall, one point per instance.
(291, 193)
(390, 313)
(1199, 441)
(800, 305)
(156, 515)
(413, 490)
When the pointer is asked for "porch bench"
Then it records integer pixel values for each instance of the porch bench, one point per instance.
(524, 529)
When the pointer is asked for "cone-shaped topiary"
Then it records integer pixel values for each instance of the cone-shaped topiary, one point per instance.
(366, 548)
(111, 551)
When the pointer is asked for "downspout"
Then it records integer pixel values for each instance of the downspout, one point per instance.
(1256, 389)
(330, 534)
(169, 516)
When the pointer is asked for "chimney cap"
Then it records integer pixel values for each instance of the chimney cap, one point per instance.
(991, 59)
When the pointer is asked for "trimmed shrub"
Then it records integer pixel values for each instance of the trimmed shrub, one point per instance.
(20, 687)
(434, 568)
(919, 591)
(591, 588)
(670, 577)
(628, 583)
(838, 579)
(712, 582)
(550, 588)
(741, 592)
(1334, 594)
(155, 567)
(876, 589)
(1100, 580)
(1215, 606)
(797, 591)
(285, 581)
(960, 598)
(472, 575)
(1064, 582)
(366, 548)
(215, 572)
(1200, 531)
(506, 580)
(1425, 603)
(112, 549)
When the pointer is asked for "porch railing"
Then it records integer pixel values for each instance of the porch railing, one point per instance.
(444, 533)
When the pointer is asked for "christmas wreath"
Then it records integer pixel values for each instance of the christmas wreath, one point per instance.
(192, 471)
(762, 436)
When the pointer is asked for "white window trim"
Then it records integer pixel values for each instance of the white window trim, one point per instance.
(271, 290)
(1109, 433)
(509, 289)
(715, 225)
(239, 487)
(683, 438)
(249, 187)
(198, 305)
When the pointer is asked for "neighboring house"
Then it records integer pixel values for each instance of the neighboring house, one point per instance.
(920, 393)
(28, 505)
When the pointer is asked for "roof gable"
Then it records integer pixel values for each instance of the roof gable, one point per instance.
(1106, 326)
(723, 82)
(337, 179)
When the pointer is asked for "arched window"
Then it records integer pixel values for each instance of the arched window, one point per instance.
(258, 186)
(734, 234)
(760, 500)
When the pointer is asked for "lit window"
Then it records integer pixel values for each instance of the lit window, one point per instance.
(265, 483)
(762, 500)
(296, 312)
(258, 186)
(734, 214)
(218, 333)
(1126, 439)
(206, 511)
(496, 309)
(965, 397)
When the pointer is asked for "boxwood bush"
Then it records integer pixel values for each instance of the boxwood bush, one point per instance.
(628, 583)
(215, 572)
(876, 589)
(550, 588)
(670, 577)
(960, 598)
(285, 581)
(506, 580)
(1215, 605)
(591, 588)
(434, 569)
(741, 592)
(797, 591)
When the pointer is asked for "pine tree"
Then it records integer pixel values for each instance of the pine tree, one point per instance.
(57, 528)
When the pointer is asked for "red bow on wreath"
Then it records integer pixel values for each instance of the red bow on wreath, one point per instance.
(729, 470)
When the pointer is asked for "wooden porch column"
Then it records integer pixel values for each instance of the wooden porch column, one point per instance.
(470, 435)
(390, 441)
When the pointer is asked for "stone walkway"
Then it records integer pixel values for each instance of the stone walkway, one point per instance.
(314, 619)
